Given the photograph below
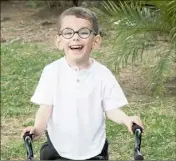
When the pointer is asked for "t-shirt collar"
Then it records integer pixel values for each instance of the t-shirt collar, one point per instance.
(82, 71)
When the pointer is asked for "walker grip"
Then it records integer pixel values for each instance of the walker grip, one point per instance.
(136, 127)
(28, 144)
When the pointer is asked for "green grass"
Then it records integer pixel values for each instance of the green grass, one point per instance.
(21, 67)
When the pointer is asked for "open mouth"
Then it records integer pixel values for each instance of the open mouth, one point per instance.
(76, 47)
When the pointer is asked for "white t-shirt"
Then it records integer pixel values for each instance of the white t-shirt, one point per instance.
(79, 99)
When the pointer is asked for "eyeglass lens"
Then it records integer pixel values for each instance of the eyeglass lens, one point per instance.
(83, 33)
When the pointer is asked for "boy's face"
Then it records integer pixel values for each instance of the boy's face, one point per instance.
(77, 49)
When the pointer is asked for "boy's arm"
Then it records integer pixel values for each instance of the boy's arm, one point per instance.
(120, 117)
(113, 100)
(117, 116)
(42, 117)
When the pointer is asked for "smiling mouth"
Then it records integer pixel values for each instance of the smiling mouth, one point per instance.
(76, 47)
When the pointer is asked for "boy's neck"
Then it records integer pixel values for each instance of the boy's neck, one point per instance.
(80, 65)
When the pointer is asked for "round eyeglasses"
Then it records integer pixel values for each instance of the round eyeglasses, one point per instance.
(83, 33)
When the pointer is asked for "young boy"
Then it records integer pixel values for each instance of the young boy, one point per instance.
(76, 92)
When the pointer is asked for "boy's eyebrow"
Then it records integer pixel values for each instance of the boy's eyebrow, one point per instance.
(78, 29)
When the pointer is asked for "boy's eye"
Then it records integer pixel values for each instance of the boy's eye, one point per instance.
(68, 33)
(84, 33)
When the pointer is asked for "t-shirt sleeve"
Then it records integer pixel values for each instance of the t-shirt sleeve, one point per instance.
(113, 95)
(44, 91)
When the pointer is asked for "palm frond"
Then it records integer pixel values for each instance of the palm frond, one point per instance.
(161, 71)
(136, 26)
(173, 34)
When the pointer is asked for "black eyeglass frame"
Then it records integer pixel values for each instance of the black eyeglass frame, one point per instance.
(74, 32)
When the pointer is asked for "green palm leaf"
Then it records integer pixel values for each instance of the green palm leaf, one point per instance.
(136, 27)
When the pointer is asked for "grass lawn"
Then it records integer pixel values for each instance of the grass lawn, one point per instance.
(21, 67)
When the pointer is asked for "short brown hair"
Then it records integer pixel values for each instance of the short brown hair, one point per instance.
(80, 12)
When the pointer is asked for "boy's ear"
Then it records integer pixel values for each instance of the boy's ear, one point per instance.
(97, 42)
(58, 42)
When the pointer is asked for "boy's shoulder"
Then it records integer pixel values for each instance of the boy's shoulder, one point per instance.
(102, 68)
(104, 72)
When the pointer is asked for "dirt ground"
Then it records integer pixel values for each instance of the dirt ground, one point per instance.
(19, 21)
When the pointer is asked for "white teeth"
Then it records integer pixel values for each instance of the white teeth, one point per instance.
(76, 47)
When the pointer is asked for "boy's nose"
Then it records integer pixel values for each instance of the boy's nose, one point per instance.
(75, 37)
